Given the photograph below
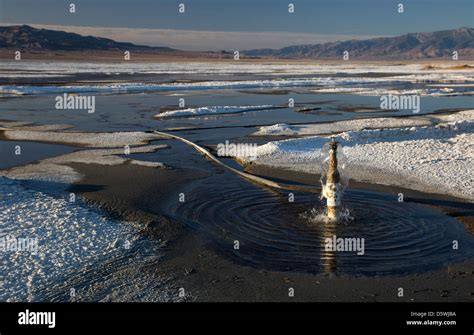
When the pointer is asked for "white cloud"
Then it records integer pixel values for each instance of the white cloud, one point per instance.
(202, 40)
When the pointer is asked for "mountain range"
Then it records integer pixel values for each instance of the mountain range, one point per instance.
(410, 46)
(439, 44)
(27, 37)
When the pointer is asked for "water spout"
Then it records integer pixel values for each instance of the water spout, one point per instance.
(333, 188)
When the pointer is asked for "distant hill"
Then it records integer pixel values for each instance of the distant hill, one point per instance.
(26, 37)
(410, 46)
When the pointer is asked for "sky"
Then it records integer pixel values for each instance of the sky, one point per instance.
(238, 24)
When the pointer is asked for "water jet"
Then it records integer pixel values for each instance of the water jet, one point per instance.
(332, 188)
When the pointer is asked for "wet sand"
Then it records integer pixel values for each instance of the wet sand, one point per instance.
(133, 193)
(136, 193)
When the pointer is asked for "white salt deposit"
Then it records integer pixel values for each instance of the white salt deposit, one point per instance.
(436, 159)
(53, 68)
(211, 110)
(56, 169)
(103, 140)
(147, 163)
(326, 77)
(70, 237)
(340, 126)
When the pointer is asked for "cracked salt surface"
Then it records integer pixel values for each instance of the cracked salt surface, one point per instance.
(74, 242)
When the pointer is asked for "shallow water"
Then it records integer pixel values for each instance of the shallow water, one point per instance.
(275, 234)
(130, 112)
(29, 152)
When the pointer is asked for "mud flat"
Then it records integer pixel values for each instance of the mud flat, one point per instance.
(135, 192)
(211, 277)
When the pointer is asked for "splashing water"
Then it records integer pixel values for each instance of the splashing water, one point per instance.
(332, 184)
(319, 215)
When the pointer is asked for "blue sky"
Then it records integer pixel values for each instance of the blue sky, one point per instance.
(265, 23)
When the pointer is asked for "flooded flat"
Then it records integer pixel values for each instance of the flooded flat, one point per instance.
(16, 153)
(220, 208)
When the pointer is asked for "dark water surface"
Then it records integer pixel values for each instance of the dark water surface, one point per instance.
(276, 234)
(14, 153)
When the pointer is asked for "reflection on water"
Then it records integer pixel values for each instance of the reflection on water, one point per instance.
(276, 234)
(16, 153)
